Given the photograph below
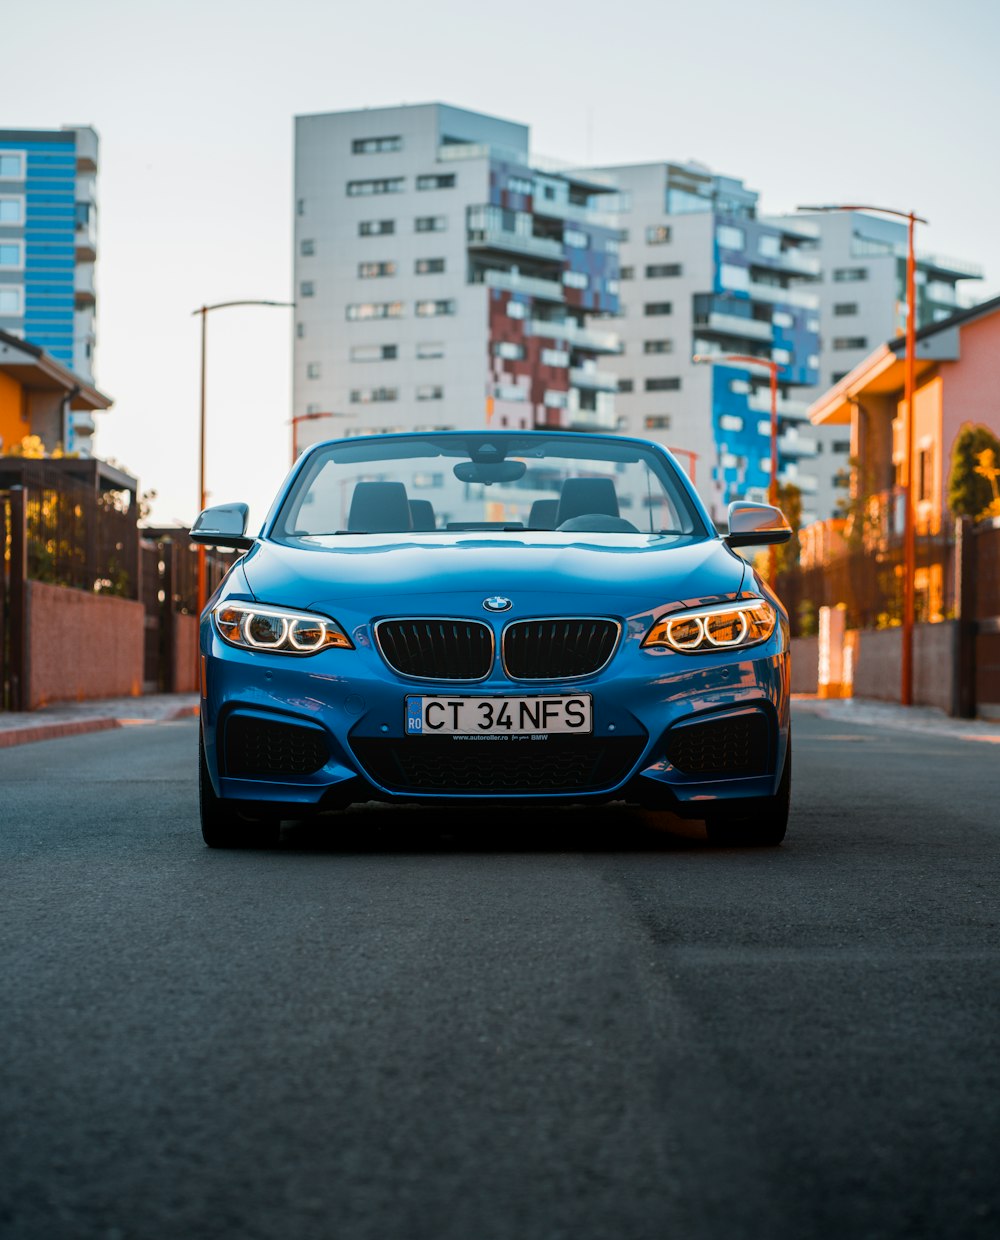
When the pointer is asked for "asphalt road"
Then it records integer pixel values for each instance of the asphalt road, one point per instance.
(508, 1025)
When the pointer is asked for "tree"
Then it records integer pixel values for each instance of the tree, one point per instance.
(970, 489)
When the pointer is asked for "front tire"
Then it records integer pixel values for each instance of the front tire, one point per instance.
(762, 826)
(223, 826)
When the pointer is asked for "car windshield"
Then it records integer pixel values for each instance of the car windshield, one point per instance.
(441, 483)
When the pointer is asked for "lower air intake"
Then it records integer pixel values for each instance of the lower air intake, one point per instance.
(732, 745)
(506, 767)
(262, 747)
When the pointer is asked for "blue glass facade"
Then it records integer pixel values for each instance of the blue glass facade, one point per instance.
(49, 225)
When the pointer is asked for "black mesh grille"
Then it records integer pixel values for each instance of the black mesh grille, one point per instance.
(437, 649)
(500, 767)
(735, 745)
(556, 648)
(260, 747)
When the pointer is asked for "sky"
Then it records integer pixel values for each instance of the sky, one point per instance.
(194, 104)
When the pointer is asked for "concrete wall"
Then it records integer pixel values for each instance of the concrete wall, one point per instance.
(82, 645)
(877, 663)
(805, 664)
(185, 654)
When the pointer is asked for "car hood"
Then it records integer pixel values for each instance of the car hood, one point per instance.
(382, 573)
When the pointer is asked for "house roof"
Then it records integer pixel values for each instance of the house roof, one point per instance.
(35, 369)
(883, 370)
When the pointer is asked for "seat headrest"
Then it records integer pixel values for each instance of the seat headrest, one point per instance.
(379, 508)
(422, 514)
(543, 514)
(583, 496)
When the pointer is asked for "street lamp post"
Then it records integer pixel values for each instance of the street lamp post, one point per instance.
(748, 359)
(307, 417)
(202, 493)
(909, 381)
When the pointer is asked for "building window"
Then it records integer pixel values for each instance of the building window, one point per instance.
(841, 445)
(850, 342)
(437, 180)
(575, 238)
(372, 271)
(845, 307)
(659, 271)
(626, 273)
(307, 289)
(733, 277)
(730, 237)
(11, 255)
(838, 375)
(431, 223)
(307, 248)
(781, 355)
(431, 309)
(781, 318)
(375, 310)
(625, 385)
(428, 349)
(510, 350)
(656, 234)
(516, 309)
(611, 246)
(300, 206)
(379, 185)
(375, 146)
(730, 422)
(555, 357)
(373, 395)
(313, 370)
(11, 208)
(657, 422)
(430, 391)
(520, 185)
(300, 330)
(10, 299)
(575, 279)
(657, 346)
(672, 384)
(11, 166)
(849, 275)
(429, 266)
(658, 307)
(376, 228)
(769, 245)
(374, 352)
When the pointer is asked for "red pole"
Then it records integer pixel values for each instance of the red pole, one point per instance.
(909, 539)
(772, 490)
(202, 583)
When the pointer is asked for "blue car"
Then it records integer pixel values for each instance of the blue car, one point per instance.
(479, 617)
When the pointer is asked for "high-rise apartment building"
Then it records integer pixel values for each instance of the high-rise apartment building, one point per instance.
(443, 277)
(48, 250)
(701, 274)
(862, 303)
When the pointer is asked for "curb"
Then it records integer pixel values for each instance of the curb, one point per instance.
(53, 731)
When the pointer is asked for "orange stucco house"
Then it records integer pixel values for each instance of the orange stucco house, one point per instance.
(957, 382)
(37, 394)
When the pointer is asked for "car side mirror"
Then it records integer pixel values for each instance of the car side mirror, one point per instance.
(756, 525)
(223, 525)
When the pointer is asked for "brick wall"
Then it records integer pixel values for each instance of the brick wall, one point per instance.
(185, 654)
(877, 661)
(805, 664)
(82, 645)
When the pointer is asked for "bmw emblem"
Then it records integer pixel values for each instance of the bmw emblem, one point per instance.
(497, 602)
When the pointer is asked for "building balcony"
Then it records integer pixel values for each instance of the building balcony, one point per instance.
(790, 260)
(591, 420)
(806, 483)
(86, 148)
(576, 336)
(85, 294)
(592, 379)
(791, 443)
(782, 296)
(760, 402)
(573, 212)
(509, 242)
(734, 325)
(532, 286)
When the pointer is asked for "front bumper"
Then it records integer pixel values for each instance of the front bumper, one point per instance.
(349, 706)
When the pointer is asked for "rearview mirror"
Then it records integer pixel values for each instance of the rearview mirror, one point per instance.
(756, 525)
(489, 471)
(224, 525)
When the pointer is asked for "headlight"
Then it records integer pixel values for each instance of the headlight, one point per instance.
(722, 626)
(273, 628)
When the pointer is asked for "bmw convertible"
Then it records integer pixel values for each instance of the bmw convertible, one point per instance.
(478, 618)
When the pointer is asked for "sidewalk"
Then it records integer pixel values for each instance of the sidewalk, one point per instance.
(870, 713)
(74, 718)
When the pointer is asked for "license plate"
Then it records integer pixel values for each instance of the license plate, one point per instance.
(498, 716)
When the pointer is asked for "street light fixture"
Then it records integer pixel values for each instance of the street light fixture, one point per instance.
(204, 312)
(909, 525)
(308, 417)
(748, 359)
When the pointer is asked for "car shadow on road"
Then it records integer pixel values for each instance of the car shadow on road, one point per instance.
(382, 829)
